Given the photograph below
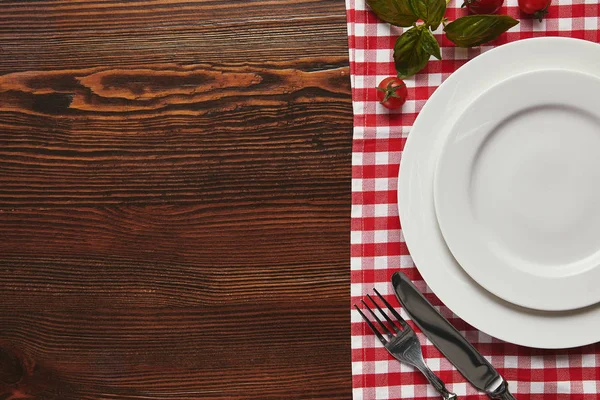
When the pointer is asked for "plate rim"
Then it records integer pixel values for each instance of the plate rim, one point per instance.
(456, 220)
(482, 310)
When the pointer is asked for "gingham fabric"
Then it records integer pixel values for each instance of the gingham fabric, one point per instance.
(377, 245)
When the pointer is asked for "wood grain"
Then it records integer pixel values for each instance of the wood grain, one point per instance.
(174, 200)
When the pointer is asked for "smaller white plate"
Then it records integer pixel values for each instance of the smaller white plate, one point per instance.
(517, 190)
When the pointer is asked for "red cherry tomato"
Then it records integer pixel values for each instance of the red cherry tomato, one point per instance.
(392, 92)
(483, 6)
(537, 8)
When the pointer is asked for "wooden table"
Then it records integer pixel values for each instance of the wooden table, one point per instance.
(174, 199)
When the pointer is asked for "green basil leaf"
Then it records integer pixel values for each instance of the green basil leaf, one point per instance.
(396, 12)
(474, 30)
(409, 55)
(430, 44)
(430, 11)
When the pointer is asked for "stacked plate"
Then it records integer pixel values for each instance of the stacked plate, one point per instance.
(499, 192)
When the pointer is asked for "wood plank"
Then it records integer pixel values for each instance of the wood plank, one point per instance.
(174, 200)
(39, 35)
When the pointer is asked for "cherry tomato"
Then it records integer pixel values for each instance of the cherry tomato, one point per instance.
(392, 92)
(537, 8)
(483, 6)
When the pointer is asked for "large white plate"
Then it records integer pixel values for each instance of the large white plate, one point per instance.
(516, 190)
(467, 299)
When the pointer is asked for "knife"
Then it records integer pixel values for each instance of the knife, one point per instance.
(449, 341)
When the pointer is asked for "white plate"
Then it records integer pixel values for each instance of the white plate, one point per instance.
(516, 190)
(436, 264)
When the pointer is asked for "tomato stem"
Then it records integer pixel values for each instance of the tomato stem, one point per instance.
(539, 15)
(390, 91)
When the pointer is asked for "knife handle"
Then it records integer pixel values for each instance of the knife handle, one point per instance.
(501, 393)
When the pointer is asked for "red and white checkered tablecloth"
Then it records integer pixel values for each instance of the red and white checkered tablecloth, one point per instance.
(377, 245)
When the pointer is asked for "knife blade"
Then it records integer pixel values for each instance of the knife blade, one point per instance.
(467, 360)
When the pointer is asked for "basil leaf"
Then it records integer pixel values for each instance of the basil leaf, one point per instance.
(430, 44)
(396, 12)
(409, 55)
(430, 11)
(474, 30)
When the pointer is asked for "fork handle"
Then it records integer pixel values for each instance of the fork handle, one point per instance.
(436, 383)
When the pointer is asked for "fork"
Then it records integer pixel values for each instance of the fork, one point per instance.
(403, 344)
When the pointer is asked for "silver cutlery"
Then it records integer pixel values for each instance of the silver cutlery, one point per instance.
(467, 360)
(403, 344)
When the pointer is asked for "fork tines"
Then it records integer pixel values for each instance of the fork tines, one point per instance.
(403, 344)
(385, 329)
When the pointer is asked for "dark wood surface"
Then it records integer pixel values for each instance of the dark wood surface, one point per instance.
(174, 199)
